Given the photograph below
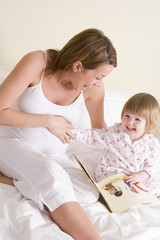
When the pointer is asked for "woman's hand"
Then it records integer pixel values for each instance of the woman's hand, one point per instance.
(137, 177)
(61, 128)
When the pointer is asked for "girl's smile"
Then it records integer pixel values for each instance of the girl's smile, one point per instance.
(133, 125)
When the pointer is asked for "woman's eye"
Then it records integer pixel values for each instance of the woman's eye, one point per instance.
(137, 119)
(98, 78)
(127, 116)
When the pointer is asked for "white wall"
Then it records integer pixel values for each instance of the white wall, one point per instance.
(132, 25)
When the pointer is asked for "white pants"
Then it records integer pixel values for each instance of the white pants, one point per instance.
(41, 178)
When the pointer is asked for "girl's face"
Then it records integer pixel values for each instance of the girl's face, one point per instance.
(85, 79)
(134, 126)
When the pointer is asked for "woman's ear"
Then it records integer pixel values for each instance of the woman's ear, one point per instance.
(77, 66)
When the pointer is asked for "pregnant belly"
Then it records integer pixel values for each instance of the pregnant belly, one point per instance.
(41, 138)
(46, 142)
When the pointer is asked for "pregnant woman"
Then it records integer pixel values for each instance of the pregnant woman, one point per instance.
(40, 102)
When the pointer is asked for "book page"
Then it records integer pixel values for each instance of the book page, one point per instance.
(120, 195)
(87, 174)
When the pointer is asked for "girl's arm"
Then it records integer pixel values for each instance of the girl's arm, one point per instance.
(91, 136)
(151, 164)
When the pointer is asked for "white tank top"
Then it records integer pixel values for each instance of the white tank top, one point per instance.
(34, 101)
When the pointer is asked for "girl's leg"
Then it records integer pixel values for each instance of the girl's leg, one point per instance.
(73, 220)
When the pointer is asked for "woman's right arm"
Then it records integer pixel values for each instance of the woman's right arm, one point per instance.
(28, 71)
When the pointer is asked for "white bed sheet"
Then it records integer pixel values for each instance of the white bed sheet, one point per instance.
(21, 220)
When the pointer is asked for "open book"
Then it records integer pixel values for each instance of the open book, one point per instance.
(119, 195)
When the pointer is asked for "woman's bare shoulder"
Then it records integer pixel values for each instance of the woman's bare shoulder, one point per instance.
(35, 58)
(29, 68)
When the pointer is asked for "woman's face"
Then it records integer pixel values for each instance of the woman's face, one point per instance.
(85, 79)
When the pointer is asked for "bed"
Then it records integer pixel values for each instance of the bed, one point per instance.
(20, 219)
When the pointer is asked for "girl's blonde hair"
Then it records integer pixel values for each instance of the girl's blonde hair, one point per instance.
(90, 46)
(146, 106)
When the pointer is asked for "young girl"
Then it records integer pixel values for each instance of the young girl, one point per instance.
(129, 147)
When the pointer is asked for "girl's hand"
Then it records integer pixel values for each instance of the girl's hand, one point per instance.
(61, 128)
(137, 177)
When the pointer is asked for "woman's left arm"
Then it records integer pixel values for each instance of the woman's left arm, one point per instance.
(94, 100)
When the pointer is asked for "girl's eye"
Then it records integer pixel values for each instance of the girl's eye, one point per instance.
(127, 116)
(98, 78)
(137, 119)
